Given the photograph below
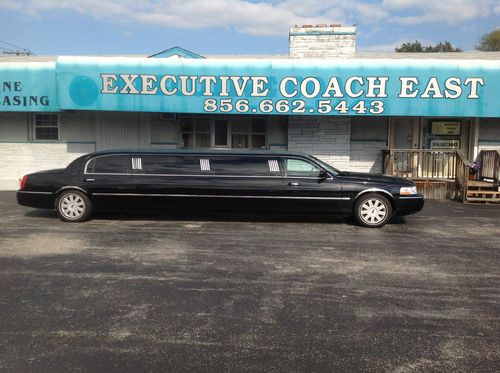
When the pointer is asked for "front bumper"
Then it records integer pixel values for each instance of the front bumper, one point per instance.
(406, 205)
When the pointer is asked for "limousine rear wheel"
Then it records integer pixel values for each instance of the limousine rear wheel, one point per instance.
(73, 206)
(372, 210)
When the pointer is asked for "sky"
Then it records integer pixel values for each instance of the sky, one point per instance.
(208, 27)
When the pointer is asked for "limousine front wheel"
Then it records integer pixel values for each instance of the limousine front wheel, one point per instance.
(372, 210)
(73, 206)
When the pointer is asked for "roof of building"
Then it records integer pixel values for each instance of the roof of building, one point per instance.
(176, 52)
(362, 55)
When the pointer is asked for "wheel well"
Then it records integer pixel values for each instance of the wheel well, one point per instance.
(63, 189)
(387, 195)
(68, 188)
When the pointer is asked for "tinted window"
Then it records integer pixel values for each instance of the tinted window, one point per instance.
(241, 166)
(113, 164)
(165, 164)
(298, 167)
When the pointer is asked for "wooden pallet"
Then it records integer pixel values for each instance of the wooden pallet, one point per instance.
(482, 192)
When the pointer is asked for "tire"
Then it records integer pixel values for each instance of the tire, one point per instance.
(372, 210)
(73, 206)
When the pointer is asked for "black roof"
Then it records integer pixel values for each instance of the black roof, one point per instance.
(193, 151)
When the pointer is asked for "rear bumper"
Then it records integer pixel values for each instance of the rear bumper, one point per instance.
(408, 205)
(35, 199)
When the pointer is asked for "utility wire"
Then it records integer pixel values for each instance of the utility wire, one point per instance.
(18, 49)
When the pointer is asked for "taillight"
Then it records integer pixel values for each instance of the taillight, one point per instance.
(23, 181)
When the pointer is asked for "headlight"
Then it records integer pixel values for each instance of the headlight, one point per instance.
(408, 191)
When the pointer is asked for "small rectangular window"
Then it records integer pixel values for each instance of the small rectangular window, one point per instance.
(274, 165)
(205, 164)
(46, 127)
(136, 163)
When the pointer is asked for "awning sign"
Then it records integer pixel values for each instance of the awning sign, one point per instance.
(28, 87)
(458, 88)
(285, 87)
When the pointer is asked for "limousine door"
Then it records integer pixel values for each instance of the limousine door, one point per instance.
(308, 188)
(215, 182)
(252, 182)
(108, 179)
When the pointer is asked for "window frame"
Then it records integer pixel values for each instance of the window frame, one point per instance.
(230, 122)
(34, 127)
(269, 172)
(285, 169)
(129, 169)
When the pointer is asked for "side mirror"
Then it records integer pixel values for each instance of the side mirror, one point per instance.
(323, 175)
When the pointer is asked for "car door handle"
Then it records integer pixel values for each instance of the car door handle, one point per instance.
(294, 184)
(89, 179)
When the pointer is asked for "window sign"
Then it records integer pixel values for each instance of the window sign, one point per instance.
(445, 144)
(446, 128)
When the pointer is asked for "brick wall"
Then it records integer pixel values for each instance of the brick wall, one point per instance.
(322, 42)
(366, 156)
(368, 139)
(327, 138)
(18, 159)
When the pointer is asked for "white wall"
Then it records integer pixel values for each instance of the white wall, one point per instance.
(18, 159)
(20, 155)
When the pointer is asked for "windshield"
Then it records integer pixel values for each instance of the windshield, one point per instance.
(326, 166)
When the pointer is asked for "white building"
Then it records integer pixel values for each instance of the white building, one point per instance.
(322, 98)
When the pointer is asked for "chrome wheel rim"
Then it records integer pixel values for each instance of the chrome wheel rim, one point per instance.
(72, 206)
(373, 211)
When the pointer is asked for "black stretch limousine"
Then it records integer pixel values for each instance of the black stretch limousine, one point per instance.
(240, 180)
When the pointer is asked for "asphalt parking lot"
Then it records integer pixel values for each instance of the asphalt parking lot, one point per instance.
(243, 292)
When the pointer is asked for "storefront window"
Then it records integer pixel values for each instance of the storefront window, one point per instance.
(195, 132)
(235, 132)
(249, 134)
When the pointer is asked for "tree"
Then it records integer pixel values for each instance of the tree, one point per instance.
(417, 47)
(489, 42)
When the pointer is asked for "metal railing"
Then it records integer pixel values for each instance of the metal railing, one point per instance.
(421, 164)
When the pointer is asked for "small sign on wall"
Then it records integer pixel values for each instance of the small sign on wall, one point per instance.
(446, 128)
(445, 144)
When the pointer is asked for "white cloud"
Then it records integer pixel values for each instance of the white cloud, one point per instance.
(262, 18)
(435, 11)
(11, 5)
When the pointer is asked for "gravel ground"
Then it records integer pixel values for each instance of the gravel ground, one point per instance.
(243, 292)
